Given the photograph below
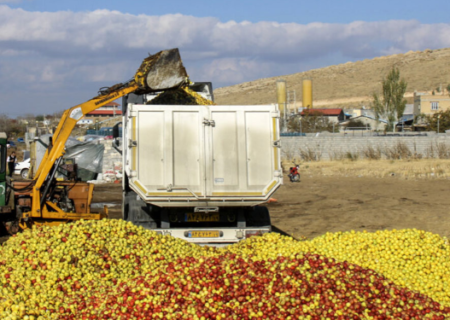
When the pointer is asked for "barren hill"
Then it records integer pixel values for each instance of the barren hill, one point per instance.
(350, 84)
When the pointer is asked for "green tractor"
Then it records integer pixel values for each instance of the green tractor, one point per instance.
(7, 212)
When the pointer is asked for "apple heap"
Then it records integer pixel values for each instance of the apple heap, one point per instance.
(111, 269)
(229, 286)
(411, 258)
(182, 95)
(40, 264)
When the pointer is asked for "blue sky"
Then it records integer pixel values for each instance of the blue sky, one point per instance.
(332, 11)
(56, 54)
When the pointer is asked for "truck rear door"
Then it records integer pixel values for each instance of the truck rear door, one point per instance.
(241, 150)
(206, 153)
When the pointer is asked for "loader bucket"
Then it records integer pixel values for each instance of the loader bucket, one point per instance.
(161, 71)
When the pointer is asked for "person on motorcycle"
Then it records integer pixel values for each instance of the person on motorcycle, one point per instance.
(293, 173)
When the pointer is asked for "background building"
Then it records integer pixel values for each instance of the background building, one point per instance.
(109, 110)
(428, 103)
(334, 115)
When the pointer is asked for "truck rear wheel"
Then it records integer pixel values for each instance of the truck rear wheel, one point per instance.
(137, 211)
(258, 216)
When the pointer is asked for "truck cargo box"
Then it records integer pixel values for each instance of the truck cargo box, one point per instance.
(189, 156)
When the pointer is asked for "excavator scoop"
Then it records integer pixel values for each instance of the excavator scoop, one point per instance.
(161, 71)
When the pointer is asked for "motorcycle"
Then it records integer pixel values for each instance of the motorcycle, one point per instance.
(294, 175)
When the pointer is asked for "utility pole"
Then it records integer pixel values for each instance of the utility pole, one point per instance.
(438, 124)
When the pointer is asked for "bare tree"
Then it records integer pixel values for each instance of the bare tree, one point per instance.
(352, 123)
(392, 104)
(311, 121)
(11, 127)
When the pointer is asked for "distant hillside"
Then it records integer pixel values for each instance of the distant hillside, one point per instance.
(350, 84)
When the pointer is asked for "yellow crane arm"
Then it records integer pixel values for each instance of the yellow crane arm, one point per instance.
(68, 121)
(158, 72)
(63, 131)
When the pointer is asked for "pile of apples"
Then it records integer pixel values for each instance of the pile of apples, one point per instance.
(180, 96)
(411, 258)
(111, 269)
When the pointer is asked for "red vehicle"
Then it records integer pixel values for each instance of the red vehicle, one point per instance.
(294, 175)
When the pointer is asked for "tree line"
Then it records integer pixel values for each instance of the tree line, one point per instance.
(17, 127)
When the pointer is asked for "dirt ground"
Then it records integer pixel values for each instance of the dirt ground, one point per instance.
(319, 204)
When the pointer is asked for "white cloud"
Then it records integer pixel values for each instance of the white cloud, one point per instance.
(223, 69)
(66, 49)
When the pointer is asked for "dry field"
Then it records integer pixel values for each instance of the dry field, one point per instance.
(320, 204)
(430, 169)
(365, 195)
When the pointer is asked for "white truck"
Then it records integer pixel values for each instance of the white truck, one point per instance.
(199, 172)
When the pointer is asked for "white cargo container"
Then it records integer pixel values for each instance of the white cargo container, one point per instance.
(199, 172)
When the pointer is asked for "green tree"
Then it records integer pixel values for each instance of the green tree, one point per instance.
(391, 105)
(448, 89)
(443, 117)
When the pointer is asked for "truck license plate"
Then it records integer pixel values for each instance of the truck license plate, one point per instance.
(203, 234)
(201, 217)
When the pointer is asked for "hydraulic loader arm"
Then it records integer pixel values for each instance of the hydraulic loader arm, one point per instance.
(157, 72)
(69, 120)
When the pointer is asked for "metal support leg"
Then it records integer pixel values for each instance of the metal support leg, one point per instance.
(241, 223)
(165, 222)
